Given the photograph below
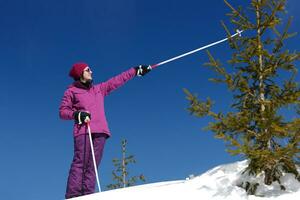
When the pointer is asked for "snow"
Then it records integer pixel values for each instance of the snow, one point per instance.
(219, 183)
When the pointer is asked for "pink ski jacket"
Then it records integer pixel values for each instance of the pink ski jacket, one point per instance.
(91, 100)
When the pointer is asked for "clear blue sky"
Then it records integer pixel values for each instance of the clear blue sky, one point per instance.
(40, 40)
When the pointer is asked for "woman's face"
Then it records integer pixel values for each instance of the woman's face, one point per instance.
(87, 74)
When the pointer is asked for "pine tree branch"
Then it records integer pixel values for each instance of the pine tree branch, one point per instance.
(234, 10)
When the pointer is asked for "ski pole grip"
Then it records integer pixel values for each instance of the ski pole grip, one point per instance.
(154, 66)
(87, 120)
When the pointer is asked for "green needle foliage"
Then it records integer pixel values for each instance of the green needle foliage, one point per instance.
(262, 83)
(121, 174)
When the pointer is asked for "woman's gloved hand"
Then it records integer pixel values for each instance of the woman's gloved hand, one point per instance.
(82, 117)
(142, 70)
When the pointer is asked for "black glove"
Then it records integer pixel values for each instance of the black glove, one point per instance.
(142, 70)
(81, 116)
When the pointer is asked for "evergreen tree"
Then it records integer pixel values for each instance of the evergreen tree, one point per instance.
(261, 88)
(121, 174)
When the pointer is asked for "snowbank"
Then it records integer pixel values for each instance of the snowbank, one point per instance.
(218, 183)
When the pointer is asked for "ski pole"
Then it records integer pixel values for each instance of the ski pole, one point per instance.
(238, 32)
(93, 155)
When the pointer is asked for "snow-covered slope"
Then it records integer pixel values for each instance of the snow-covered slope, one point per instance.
(216, 184)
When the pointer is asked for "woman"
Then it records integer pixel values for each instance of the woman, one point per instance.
(84, 102)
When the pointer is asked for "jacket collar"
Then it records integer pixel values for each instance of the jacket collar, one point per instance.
(81, 85)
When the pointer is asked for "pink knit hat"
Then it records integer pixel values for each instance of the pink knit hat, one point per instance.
(77, 70)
